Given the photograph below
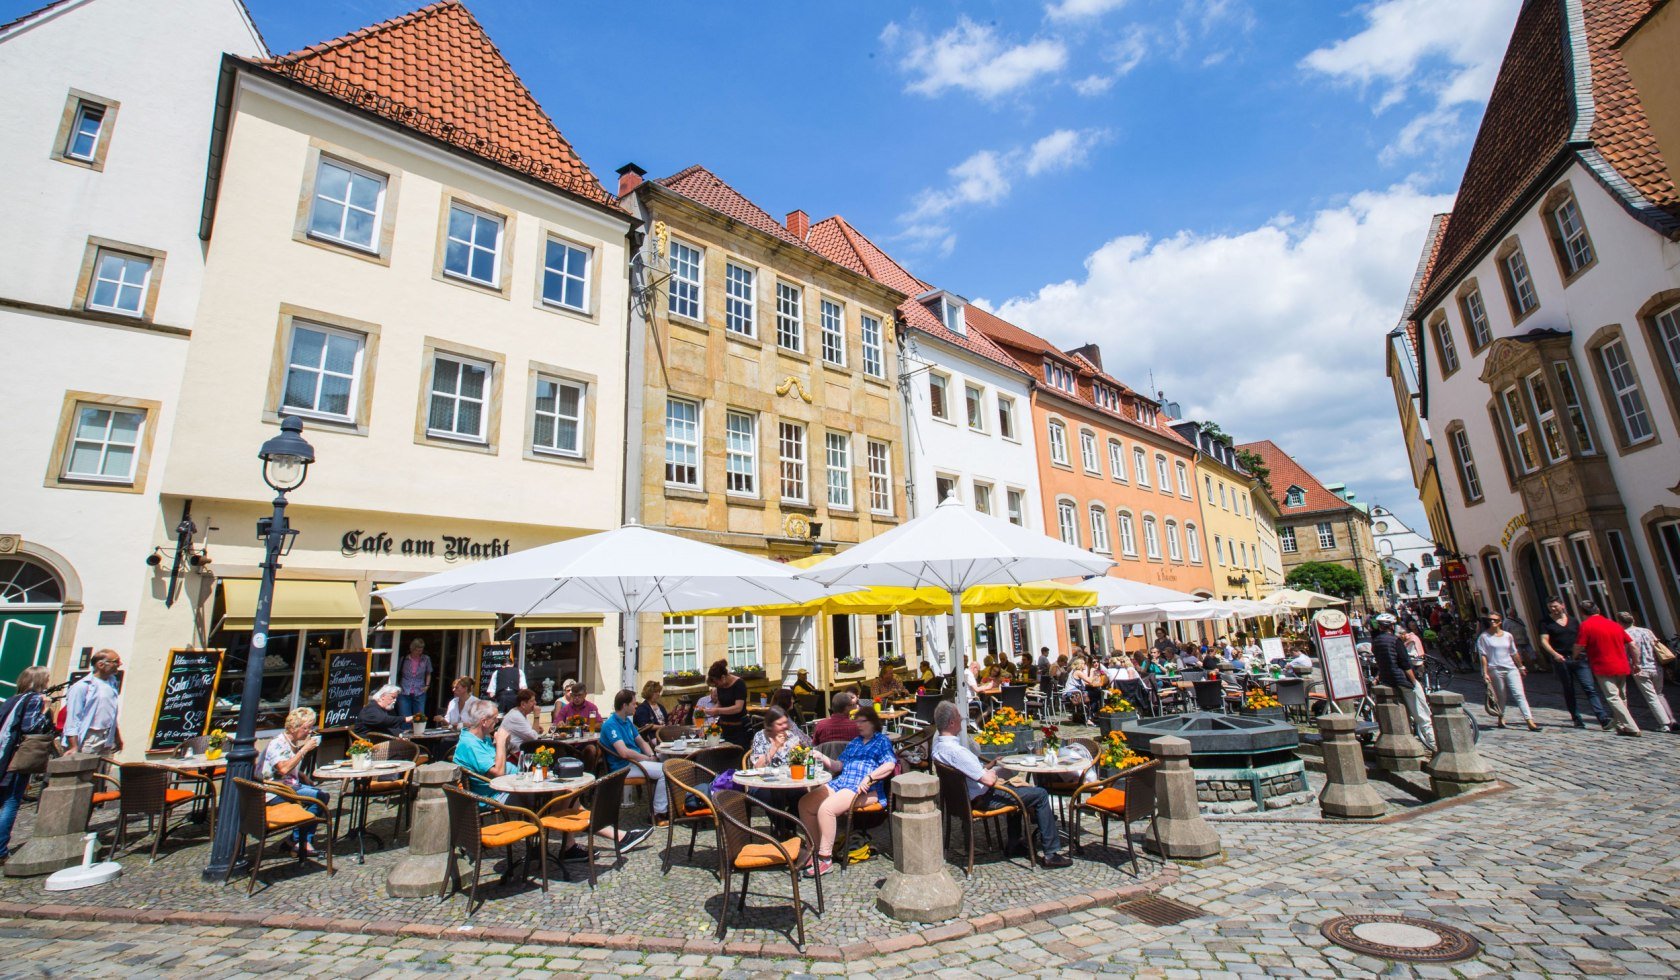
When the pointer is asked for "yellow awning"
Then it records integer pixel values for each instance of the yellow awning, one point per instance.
(558, 622)
(428, 619)
(928, 601)
(297, 605)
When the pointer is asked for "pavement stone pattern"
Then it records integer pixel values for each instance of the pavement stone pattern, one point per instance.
(1572, 870)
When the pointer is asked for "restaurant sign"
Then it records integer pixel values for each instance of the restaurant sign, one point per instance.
(453, 548)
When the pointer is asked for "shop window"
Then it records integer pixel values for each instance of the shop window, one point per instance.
(294, 666)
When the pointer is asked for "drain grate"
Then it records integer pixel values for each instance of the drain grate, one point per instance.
(1158, 911)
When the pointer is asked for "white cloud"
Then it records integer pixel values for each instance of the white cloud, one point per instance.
(980, 179)
(1447, 49)
(1094, 84)
(987, 177)
(1124, 55)
(1081, 9)
(1274, 332)
(1062, 149)
(972, 57)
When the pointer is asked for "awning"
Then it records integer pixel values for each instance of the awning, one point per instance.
(559, 622)
(928, 600)
(297, 605)
(385, 618)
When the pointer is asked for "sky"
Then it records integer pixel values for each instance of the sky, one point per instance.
(1229, 196)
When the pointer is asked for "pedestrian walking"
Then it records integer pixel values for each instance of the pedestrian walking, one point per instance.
(1609, 654)
(1396, 669)
(1503, 669)
(1559, 636)
(91, 708)
(1647, 671)
(26, 728)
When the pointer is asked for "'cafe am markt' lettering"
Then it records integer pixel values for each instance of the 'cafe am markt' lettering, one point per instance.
(359, 542)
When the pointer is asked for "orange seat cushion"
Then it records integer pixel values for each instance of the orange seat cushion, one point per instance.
(376, 786)
(106, 796)
(178, 795)
(995, 812)
(871, 805)
(568, 823)
(288, 814)
(700, 811)
(755, 856)
(1111, 799)
(505, 833)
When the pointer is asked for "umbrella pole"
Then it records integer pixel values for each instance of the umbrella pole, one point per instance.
(632, 651)
(957, 654)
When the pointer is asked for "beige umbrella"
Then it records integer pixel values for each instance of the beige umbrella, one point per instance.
(1302, 599)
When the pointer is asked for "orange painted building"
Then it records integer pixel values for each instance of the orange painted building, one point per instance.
(1115, 478)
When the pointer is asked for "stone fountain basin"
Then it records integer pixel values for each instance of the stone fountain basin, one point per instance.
(1214, 734)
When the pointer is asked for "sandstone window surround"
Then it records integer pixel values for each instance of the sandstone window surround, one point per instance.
(1464, 463)
(681, 642)
(1193, 542)
(1140, 466)
(1151, 538)
(1446, 351)
(1183, 472)
(1473, 308)
(1164, 472)
(1099, 529)
(103, 442)
(685, 289)
(119, 278)
(461, 402)
(567, 275)
(1286, 540)
(1571, 245)
(740, 299)
(873, 343)
(791, 449)
(1088, 452)
(1662, 526)
(1517, 278)
(1326, 535)
(682, 443)
(1617, 376)
(838, 465)
(1175, 550)
(740, 453)
(1661, 317)
(790, 316)
(347, 204)
(832, 321)
(742, 645)
(1067, 520)
(84, 130)
(1116, 460)
(1514, 413)
(475, 239)
(1128, 533)
(323, 368)
(560, 414)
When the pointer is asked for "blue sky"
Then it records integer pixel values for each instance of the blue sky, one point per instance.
(1228, 195)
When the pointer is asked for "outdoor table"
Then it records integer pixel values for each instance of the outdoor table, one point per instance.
(682, 748)
(1034, 765)
(892, 716)
(777, 778)
(516, 784)
(563, 736)
(192, 763)
(344, 772)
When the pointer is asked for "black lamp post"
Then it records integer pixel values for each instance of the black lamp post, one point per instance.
(286, 459)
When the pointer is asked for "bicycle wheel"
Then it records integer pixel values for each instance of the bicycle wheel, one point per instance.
(1437, 674)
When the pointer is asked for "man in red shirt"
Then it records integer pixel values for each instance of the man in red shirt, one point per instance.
(838, 726)
(1609, 651)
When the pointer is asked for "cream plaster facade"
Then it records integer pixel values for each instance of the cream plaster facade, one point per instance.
(1230, 524)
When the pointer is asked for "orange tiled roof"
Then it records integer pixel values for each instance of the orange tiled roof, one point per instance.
(437, 72)
(1425, 268)
(1532, 117)
(704, 187)
(1285, 472)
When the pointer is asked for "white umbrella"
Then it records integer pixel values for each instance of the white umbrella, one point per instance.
(1118, 594)
(956, 549)
(1302, 599)
(629, 570)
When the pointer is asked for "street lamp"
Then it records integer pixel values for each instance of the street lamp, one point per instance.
(286, 459)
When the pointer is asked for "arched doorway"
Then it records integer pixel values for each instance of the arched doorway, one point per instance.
(1534, 581)
(31, 604)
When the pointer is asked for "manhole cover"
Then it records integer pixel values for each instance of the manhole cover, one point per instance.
(1158, 911)
(1402, 938)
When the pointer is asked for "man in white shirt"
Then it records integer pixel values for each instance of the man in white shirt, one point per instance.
(90, 718)
(517, 723)
(984, 793)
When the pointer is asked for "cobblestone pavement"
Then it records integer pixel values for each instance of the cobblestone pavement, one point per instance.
(1572, 871)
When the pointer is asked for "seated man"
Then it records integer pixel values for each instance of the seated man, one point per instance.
(576, 708)
(517, 723)
(483, 749)
(624, 745)
(838, 726)
(1302, 662)
(379, 715)
(949, 749)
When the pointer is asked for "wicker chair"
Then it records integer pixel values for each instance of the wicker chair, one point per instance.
(738, 852)
(717, 759)
(670, 732)
(260, 820)
(956, 805)
(469, 834)
(685, 778)
(915, 751)
(1062, 789)
(866, 810)
(1123, 796)
(562, 815)
(146, 790)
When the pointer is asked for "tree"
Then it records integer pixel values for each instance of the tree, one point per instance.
(1326, 577)
(1213, 430)
(1256, 468)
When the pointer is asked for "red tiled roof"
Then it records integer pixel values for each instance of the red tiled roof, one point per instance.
(1531, 116)
(436, 71)
(704, 187)
(1285, 473)
(1425, 268)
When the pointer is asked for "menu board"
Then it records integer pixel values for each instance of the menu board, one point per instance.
(346, 687)
(183, 708)
(1271, 647)
(491, 658)
(1343, 677)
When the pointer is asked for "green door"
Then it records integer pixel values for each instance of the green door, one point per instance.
(26, 639)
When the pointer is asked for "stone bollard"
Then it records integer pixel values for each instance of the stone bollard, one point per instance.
(1457, 767)
(1178, 831)
(61, 821)
(920, 887)
(1346, 794)
(1397, 749)
(422, 872)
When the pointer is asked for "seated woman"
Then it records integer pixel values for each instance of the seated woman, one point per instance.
(862, 765)
(773, 742)
(1073, 689)
(785, 700)
(282, 762)
(463, 690)
(650, 711)
(927, 675)
(887, 685)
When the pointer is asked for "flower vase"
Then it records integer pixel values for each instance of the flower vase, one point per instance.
(213, 754)
(796, 772)
(360, 761)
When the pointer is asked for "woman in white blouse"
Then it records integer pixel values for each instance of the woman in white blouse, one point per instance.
(1502, 669)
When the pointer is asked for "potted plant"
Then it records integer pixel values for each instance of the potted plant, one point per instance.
(751, 673)
(684, 678)
(216, 743)
(542, 759)
(712, 731)
(1115, 711)
(360, 753)
(418, 722)
(893, 660)
(992, 742)
(850, 665)
(799, 760)
(1114, 755)
(1258, 704)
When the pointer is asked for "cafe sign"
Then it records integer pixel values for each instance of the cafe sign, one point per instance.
(447, 546)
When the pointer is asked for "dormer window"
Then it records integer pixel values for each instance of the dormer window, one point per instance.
(1296, 497)
(1106, 397)
(1059, 376)
(1146, 413)
(951, 314)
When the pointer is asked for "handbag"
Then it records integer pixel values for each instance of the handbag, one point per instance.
(1665, 656)
(33, 753)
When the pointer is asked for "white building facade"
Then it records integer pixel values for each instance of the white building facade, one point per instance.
(1408, 555)
(107, 115)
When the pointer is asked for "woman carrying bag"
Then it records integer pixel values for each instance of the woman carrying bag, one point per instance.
(26, 743)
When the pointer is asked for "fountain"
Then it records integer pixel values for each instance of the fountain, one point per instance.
(1236, 758)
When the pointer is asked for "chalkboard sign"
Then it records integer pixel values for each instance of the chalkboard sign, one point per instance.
(346, 687)
(491, 658)
(183, 708)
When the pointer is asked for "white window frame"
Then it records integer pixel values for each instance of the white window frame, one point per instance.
(1183, 474)
(1545, 418)
(743, 641)
(1476, 319)
(686, 292)
(792, 453)
(1067, 522)
(946, 486)
(1175, 550)
(1286, 540)
(939, 396)
(1517, 272)
(1015, 502)
(375, 217)
(1088, 452)
(886, 637)
(740, 299)
(1449, 350)
(1572, 235)
(1294, 497)
(1058, 442)
(1164, 472)
(832, 320)
(1193, 543)
(1632, 411)
(837, 466)
(352, 399)
(1128, 533)
(1099, 529)
(1498, 582)
(1219, 549)
(556, 417)
(951, 315)
(473, 246)
(1326, 535)
(1006, 417)
(462, 365)
(1592, 571)
(1117, 460)
(121, 283)
(974, 407)
(683, 633)
(740, 453)
(682, 443)
(104, 445)
(1515, 412)
(874, 346)
(101, 114)
(1140, 466)
(790, 316)
(565, 274)
(1580, 423)
(1223, 505)
(878, 456)
(1622, 562)
(983, 497)
(1467, 471)
(1151, 539)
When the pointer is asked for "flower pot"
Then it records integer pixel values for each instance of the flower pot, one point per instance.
(419, 728)
(361, 761)
(1261, 712)
(213, 754)
(796, 772)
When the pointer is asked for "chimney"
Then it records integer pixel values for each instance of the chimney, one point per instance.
(1091, 352)
(799, 224)
(629, 178)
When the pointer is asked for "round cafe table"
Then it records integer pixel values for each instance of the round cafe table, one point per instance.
(344, 772)
(515, 784)
(1034, 765)
(778, 778)
(196, 763)
(682, 748)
